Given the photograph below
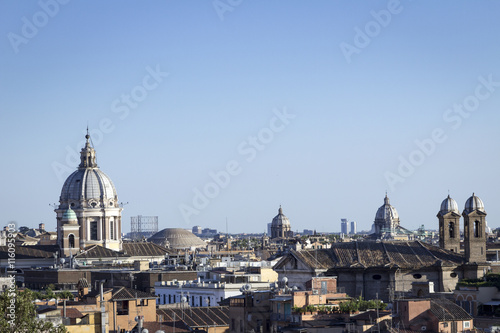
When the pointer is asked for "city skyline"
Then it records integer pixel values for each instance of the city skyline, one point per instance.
(202, 114)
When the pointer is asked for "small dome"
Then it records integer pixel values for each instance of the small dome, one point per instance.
(386, 211)
(177, 238)
(69, 215)
(280, 219)
(474, 203)
(449, 205)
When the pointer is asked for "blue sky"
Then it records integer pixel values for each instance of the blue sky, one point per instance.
(205, 82)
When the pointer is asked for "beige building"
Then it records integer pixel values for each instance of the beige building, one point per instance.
(88, 211)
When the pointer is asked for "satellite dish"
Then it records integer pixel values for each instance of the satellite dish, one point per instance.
(284, 280)
(183, 299)
(160, 332)
(248, 286)
(145, 330)
(62, 261)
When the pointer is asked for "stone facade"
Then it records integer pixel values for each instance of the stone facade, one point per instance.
(90, 194)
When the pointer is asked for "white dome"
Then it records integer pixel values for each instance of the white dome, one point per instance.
(386, 211)
(474, 203)
(449, 205)
(280, 219)
(88, 187)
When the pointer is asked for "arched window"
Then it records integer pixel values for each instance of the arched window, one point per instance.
(477, 232)
(71, 240)
(451, 228)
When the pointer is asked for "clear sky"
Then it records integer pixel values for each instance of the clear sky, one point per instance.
(318, 106)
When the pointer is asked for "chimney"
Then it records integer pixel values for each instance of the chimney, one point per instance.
(41, 227)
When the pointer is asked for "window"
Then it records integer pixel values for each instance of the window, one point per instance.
(111, 230)
(93, 230)
(451, 228)
(324, 288)
(466, 324)
(477, 232)
(417, 276)
(377, 277)
(71, 240)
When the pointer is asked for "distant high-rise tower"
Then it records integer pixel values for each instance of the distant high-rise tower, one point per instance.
(196, 230)
(474, 230)
(449, 225)
(353, 227)
(343, 226)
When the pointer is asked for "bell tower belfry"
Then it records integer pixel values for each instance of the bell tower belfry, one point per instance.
(474, 230)
(449, 225)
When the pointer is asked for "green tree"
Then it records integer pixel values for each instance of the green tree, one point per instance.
(20, 314)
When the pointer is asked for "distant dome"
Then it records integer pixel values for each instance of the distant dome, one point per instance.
(280, 219)
(386, 211)
(177, 238)
(449, 205)
(474, 203)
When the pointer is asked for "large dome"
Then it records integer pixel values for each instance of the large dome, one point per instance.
(177, 238)
(474, 203)
(449, 205)
(88, 187)
(91, 185)
(280, 219)
(386, 211)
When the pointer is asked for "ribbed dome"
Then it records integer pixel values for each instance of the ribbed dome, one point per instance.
(280, 219)
(88, 187)
(87, 184)
(177, 238)
(474, 203)
(69, 215)
(449, 205)
(386, 211)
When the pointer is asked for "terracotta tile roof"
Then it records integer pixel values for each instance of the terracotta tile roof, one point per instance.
(72, 313)
(97, 251)
(125, 293)
(412, 254)
(137, 249)
(31, 251)
(197, 316)
(145, 249)
(167, 327)
(446, 310)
